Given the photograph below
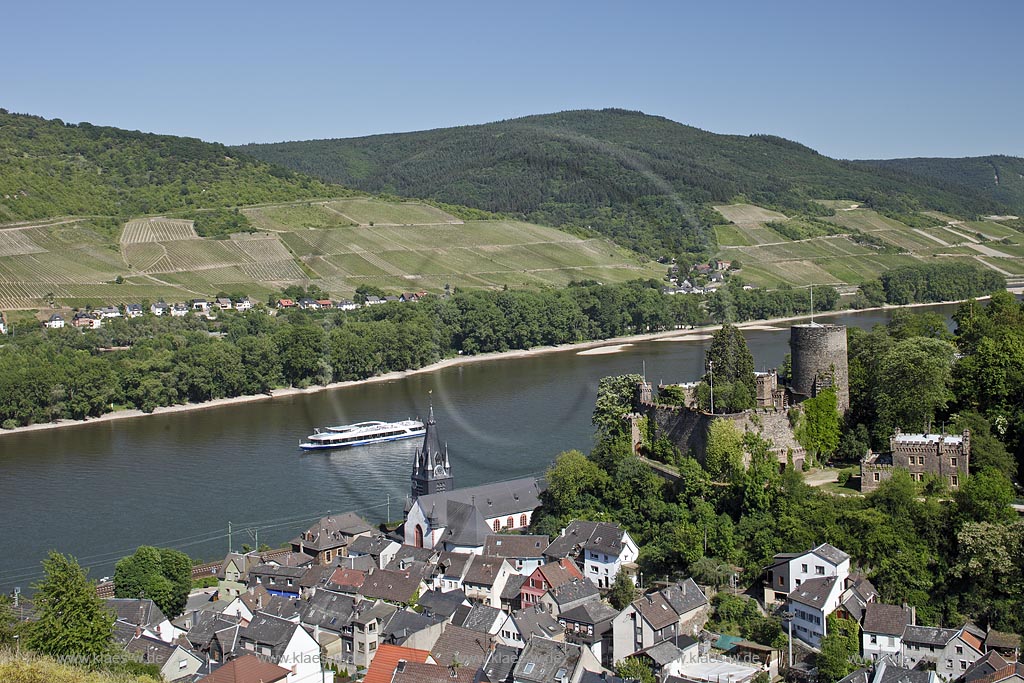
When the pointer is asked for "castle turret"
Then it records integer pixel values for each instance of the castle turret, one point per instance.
(819, 361)
(431, 467)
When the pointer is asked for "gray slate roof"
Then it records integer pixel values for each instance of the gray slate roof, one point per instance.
(493, 500)
(265, 629)
(685, 596)
(481, 618)
(542, 660)
(536, 622)
(813, 592)
(369, 545)
(513, 587)
(484, 570)
(466, 525)
(139, 612)
(591, 612)
(516, 546)
(831, 553)
(333, 531)
(441, 604)
(404, 623)
(663, 653)
(929, 635)
(601, 537)
(885, 619)
(574, 591)
(462, 646)
(328, 610)
(498, 668)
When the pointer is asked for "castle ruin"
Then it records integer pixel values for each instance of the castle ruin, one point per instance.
(946, 456)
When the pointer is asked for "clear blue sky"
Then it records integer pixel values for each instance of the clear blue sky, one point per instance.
(860, 79)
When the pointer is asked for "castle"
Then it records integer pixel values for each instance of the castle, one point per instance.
(943, 455)
(818, 361)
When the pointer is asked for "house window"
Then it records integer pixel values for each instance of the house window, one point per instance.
(798, 582)
(497, 525)
(963, 664)
(803, 568)
(954, 480)
(819, 570)
(327, 556)
(522, 520)
(780, 581)
(874, 640)
(510, 522)
(959, 650)
(877, 477)
(952, 461)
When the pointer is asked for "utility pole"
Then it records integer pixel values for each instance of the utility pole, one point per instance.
(229, 537)
(389, 508)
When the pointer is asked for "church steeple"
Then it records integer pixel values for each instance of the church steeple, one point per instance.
(431, 467)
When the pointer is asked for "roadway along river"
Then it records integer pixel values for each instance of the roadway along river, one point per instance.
(98, 491)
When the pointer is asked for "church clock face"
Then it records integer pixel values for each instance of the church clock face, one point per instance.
(439, 469)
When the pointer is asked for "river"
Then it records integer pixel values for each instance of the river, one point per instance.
(98, 491)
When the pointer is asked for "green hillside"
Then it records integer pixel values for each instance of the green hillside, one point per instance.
(998, 178)
(49, 168)
(645, 181)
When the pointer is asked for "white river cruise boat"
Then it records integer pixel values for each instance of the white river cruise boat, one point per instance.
(362, 433)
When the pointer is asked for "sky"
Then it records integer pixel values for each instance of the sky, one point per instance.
(864, 79)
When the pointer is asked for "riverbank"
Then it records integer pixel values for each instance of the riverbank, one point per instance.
(594, 347)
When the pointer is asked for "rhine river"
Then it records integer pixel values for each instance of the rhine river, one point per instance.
(98, 491)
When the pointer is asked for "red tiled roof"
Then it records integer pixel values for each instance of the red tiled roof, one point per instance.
(353, 578)
(248, 669)
(382, 668)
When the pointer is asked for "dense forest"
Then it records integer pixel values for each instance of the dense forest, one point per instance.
(643, 180)
(953, 555)
(999, 178)
(51, 168)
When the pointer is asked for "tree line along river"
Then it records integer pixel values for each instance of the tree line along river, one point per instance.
(99, 490)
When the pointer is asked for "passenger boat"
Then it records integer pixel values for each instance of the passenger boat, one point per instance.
(362, 433)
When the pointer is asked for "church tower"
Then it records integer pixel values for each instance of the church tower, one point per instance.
(431, 468)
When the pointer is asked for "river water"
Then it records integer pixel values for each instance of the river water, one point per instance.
(98, 491)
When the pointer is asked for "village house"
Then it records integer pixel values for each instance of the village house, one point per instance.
(233, 575)
(133, 310)
(109, 312)
(544, 660)
(285, 643)
(885, 670)
(85, 320)
(882, 630)
(223, 303)
(485, 579)
(600, 549)
(524, 552)
(811, 604)
(570, 594)
(145, 615)
(789, 570)
(461, 648)
(396, 664)
(994, 668)
(277, 580)
(381, 548)
(244, 304)
(347, 305)
(443, 605)
(521, 625)
(680, 609)
(159, 308)
(55, 322)
(409, 628)
(285, 303)
(307, 304)
(396, 587)
(590, 625)
(329, 538)
(179, 310)
(324, 304)
(950, 650)
(373, 300)
(174, 661)
(200, 305)
(546, 577)
(946, 456)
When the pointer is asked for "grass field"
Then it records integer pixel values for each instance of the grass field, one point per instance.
(410, 246)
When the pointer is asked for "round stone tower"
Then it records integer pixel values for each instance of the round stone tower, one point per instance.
(819, 361)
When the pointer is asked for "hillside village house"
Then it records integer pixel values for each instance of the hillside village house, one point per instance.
(287, 644)
(600, 549)
(55, 322)
(329, 538)
(950, 650)
(680, 609)
(789, 570)
(946, 456)
(546, 577)
(811, 604)
(524, 552)
(882, 630)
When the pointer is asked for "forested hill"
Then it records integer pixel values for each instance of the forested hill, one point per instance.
(644, 180)
(49, 168)
(998, 178)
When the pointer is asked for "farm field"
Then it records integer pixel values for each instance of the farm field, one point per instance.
(839, 261)
(410, 246)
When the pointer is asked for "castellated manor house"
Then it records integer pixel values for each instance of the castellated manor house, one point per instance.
(943, 455)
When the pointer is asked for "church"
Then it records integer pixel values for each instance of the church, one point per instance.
(459, 520)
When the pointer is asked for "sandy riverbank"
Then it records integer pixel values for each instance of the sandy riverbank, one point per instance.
(597, 347)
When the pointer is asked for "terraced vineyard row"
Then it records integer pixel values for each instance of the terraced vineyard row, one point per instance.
(14, 242)
(157, 230)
